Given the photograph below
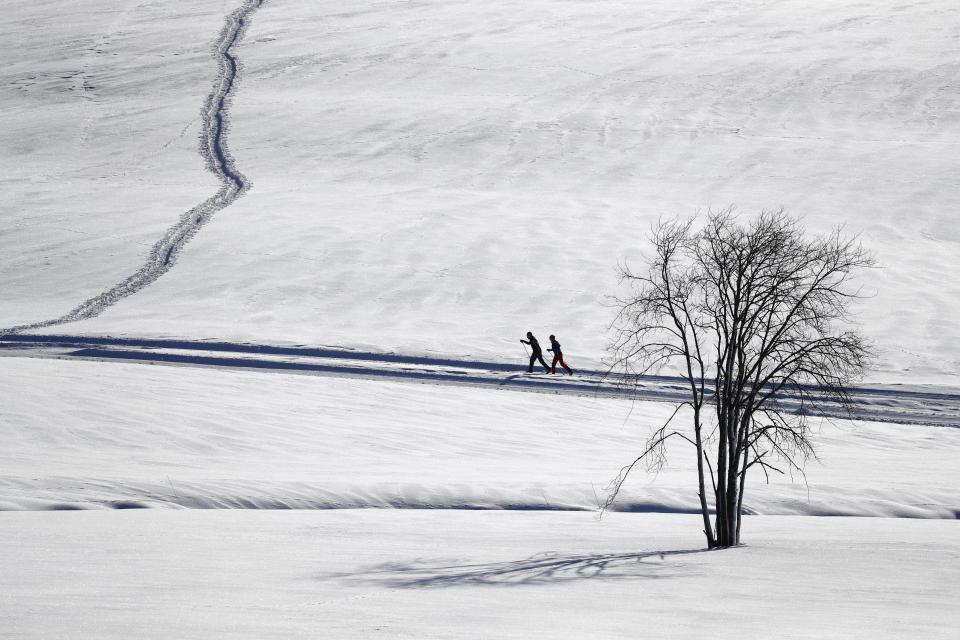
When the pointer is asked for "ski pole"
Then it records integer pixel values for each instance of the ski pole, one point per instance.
(526, 351)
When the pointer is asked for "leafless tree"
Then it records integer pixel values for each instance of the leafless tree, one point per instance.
(753, 312)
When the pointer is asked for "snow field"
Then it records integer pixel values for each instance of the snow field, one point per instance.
(99, 127)
(437, 178)
(440, 177)
(102, 435)
(441, 574)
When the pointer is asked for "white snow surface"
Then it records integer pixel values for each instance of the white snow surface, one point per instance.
(440, 574)
(443, 176)
(116, 435)
(436, 178)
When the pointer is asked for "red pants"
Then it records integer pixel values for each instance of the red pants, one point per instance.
(558, 357)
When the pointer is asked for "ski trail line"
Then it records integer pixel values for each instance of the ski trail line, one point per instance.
(213, 148)
(937, 406)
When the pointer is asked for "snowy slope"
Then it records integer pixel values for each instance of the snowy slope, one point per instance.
(435, 178)
(99, 128)
(111, 437)
(116, 435)
(441, 177)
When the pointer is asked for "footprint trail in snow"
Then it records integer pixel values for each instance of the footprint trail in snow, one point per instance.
(213, 148)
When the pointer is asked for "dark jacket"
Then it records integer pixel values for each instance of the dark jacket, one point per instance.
(555, 347)
(534, 345)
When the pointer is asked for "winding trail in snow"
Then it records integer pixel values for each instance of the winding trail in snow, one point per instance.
(214, 150)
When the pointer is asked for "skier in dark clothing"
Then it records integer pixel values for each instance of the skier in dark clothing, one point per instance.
(537, 353)
(557, 356)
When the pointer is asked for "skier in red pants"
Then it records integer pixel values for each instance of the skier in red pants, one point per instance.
(557, 356)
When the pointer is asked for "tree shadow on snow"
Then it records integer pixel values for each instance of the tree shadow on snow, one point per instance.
(542, 568)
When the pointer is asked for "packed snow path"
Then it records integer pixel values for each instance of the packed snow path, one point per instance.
(894, 404)
(213, 149)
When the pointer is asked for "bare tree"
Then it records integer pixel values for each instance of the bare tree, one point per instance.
(752, 312)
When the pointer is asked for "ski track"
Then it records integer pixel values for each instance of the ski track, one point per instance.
(878, 404)
(213, 149)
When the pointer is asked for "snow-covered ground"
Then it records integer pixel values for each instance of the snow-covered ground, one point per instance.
(124, 435)
(419, 560)
(434, 179)
(443, 176)
(442, 574)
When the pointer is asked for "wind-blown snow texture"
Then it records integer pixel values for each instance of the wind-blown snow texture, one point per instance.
(118, 435)
(441, 177)
(213, 148)
(435, 178)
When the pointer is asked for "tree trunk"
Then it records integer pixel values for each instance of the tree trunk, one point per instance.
(728, 488)
(707, 529)
(719, 498)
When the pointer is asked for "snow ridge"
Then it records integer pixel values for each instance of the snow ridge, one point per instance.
(70, 493)
(213, 148)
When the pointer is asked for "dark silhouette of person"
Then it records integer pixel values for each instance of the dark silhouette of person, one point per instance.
(557, 356)
(536, 354)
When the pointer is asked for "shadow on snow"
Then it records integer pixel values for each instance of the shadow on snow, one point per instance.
(899, 405)
(543, 568)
